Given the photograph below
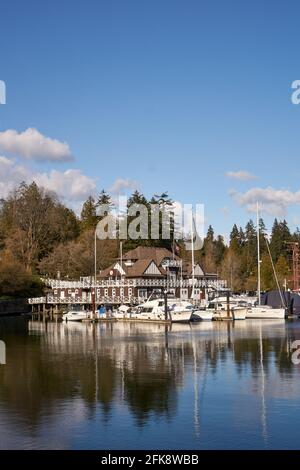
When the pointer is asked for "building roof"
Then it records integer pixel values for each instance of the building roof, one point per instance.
(138, 269)
(110, 272)
(150, 252)
(142, 257)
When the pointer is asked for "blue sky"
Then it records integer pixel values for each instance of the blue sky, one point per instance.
(170, 95)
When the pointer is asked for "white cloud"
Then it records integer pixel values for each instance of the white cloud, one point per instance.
(10, 175)
(121, 184)
(271, 200)
(32, 145)
(72, 186)
(241, 175)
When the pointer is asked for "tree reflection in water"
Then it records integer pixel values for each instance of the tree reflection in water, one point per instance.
(140, 367)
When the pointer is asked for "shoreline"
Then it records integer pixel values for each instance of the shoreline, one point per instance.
(14, 307)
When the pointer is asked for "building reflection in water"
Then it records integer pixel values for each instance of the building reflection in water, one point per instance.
(139, 368)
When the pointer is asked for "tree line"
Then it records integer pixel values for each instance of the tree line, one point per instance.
(237, 261)
(40, 237)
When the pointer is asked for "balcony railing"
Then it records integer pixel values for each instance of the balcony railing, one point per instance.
(137, 282)
(54, 300)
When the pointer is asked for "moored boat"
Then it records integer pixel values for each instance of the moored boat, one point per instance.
(154, 310)
(202, 315)
(77, 315)
(235, 313)
(264, 311)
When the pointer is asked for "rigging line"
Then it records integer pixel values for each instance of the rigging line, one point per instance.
(275, 275)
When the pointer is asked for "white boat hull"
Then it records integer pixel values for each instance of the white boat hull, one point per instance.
(266, 312)
(239, 313)
(202, 315)
(180, 317)
(234, 314)
(122, 315)
(76, 316)
(153, 310)
(174, 317)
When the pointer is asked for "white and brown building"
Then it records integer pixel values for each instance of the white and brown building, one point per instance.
(134, 277)
(150, 268)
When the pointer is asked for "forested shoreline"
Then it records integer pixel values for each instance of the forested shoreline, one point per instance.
(41, 237)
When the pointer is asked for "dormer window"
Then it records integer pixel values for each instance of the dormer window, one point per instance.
(165, 262)
(128, 262)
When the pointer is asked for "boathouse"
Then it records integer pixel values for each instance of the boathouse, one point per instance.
(132, 278)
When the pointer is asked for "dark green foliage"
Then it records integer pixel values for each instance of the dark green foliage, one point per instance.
(40, 236)
(88, 216)
(280, 235)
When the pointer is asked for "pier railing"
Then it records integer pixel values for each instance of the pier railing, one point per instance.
(85, 297)
(55, 300)
(137, 282)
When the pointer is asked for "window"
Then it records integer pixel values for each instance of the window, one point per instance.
(143, 293)
(184, 293)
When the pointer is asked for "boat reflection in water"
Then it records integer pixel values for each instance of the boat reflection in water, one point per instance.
(146, 385)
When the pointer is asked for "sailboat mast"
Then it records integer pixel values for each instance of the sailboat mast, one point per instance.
(258, 255)
(193, 256)
(181, 281)
(121, 257)
(95, 297)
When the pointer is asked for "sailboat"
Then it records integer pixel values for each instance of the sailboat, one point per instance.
(198, 313)
(264, 311)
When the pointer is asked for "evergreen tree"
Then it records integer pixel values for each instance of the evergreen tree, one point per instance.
(250, 249)
(267, 275)
(88, 214)
(220, 250)
(162, 204)
(242, 238)
(104, 206)
(210, 236)
(282, 270)
(235, 239)
(213, 251)
(250, 232)
(104, 199)
(138, 198)
(262, 227)
(262, 236)
(208, 251)
(280, 235)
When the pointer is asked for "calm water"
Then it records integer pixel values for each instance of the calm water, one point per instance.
(144, 386)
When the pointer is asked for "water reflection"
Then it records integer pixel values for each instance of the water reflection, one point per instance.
(148, 385)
